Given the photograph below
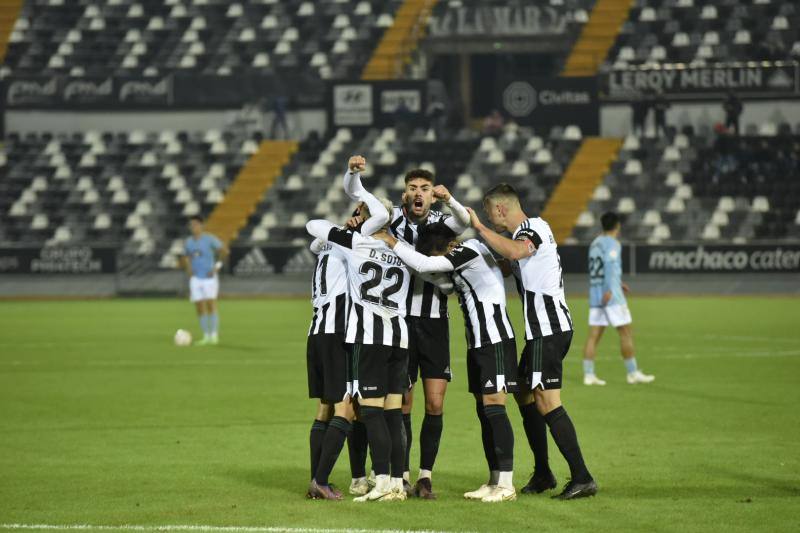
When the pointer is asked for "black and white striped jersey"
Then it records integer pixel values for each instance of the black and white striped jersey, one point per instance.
(479, 282)
(543, 300)
(378, 282)
(329, 292)
(424, 299)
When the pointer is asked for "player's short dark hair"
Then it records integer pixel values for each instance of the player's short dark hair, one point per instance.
(420, 173)
(501, 190)
(434, 238)
(197, 218)
(609, 221)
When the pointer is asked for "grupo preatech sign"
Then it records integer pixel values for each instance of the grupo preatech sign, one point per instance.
(376, 103)
(58, 260)
(756, 79)
(547, 102)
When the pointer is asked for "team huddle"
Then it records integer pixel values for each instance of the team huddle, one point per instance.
(380, 322)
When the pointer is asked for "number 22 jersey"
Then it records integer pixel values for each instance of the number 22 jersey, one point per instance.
(378, 284)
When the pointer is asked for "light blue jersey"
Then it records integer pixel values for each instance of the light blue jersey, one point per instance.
(202, 254)
(605, 271)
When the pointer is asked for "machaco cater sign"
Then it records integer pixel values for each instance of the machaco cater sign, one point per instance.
(693, 258)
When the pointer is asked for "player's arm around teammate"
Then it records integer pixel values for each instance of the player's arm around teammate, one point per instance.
(491, 355)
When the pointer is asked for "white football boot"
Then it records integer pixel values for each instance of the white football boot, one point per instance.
(382, 491)
(359, 486)
(639, 377)
(592, 379)
(479, 493)
(500, 494)
(398, 489)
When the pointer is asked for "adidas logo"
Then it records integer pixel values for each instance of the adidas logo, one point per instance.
(253, 263)
(447, 370)
(302, 261)
(780, 80)
(489, 384)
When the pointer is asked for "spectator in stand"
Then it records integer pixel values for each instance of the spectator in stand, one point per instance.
(639, 109)
(660, 107)
(436, 117)
(733, 110)
(279, 105)
(725, 162)
(493, 124)
(313, 142)
(403, 119)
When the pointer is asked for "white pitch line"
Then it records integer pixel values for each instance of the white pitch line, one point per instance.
(732, 353)
(186, 527)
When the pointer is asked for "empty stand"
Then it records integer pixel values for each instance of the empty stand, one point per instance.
(328, 39)
(699, 33)
(130, 190)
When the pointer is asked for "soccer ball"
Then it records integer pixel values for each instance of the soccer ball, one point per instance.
(183, 338)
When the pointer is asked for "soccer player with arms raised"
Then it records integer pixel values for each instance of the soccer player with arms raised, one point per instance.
(548, 329)
(377, 335)
(326, 355)
(426, 308)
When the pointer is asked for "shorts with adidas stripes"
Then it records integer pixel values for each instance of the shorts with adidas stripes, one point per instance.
(428, 348)
(377, 370)
(493, 368)
(541, 363)
(326, 362)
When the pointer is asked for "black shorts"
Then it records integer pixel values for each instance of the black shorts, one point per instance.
(493, 368)
(428, 348)
(378, 370)
(326, 361)
(541, 362)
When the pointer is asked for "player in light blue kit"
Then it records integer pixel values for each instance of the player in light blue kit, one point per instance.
(607, 304)
(202, 260)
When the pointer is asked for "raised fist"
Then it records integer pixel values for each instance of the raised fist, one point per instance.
(441, 193)
(357, 163)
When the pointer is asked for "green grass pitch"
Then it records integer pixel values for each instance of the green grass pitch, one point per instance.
(105, 422)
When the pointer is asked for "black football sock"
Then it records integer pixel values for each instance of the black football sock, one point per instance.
(338, 428)
(380, 443)
(486, 437)
(503, 436)
(357, 449)
(536, 431)
(394, 420)
(409, 439)
(315, 438)
(429, 437)
(563, 432)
